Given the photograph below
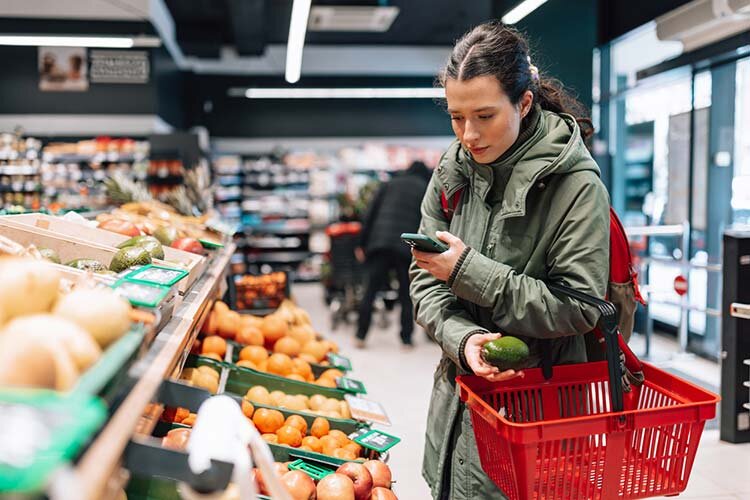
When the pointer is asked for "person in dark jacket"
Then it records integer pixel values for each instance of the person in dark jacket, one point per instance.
(395, 209)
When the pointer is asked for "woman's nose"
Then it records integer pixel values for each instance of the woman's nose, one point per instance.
(470, 132)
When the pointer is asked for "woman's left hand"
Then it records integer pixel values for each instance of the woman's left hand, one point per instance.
(441, 265)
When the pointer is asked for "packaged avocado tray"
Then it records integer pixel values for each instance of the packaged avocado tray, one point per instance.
(317, 368)
(40, 430)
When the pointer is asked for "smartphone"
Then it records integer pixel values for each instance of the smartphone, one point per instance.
(423, 243)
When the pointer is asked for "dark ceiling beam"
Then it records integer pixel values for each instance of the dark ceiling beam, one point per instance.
(247, 18)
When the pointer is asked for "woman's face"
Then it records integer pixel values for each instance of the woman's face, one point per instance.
(482, 116)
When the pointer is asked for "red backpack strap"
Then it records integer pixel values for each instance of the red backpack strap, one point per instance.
(449, 205)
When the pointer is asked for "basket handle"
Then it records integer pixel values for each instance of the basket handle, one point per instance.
(608, 323)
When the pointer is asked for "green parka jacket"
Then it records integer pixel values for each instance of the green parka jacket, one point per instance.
(551, 223)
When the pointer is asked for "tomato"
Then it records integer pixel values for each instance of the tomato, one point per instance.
(188, 244)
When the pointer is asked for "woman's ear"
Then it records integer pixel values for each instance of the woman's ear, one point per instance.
(527, 100)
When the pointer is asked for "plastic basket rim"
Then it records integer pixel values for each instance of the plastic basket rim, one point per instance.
(714, 399)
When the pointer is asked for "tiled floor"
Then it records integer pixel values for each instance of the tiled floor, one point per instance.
(401, 381)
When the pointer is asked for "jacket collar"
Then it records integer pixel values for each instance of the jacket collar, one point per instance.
(533, 162)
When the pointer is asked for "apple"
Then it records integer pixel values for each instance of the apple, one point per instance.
(278, 468)
(188, 245)
(176, 439)
(336, 487)
(299, 485)
(380, 472)
(361, 478)
(381, 493)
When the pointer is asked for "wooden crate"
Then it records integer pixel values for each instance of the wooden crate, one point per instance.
(193, 263)
(67, 248)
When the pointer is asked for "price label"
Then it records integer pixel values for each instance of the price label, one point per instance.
(367, 410)
(141, 294)
(210, 244)
(350, 385)
(339, 361)
(377, 440)
(157, 275)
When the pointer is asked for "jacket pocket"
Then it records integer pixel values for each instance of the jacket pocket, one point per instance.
(622, 295)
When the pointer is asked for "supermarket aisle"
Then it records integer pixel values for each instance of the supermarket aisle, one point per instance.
(401, 381)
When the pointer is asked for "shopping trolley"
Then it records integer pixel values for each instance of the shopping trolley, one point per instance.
(577, 436)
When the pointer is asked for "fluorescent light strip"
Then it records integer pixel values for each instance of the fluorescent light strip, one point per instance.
(296, 42)
(67, 41)
(522, 10)
(344, 93)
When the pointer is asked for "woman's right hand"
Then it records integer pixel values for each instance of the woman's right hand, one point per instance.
(473, 356)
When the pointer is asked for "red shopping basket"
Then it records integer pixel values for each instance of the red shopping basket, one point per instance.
(564, 438)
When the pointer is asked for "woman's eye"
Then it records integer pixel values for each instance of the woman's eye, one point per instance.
(485, 117)
(456, 118)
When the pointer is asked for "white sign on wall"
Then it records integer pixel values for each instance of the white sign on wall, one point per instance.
(119, 66)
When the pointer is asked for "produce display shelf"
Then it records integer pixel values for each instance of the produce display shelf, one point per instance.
(278, 257)
(96, 474)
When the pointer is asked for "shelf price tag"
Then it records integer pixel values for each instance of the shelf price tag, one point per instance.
(157, 275)
(141, 294)
(350, 385)
(339, 362)
(311, 470)
(367, 410)
(377, 440)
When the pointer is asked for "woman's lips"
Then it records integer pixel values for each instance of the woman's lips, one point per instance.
(478, 151)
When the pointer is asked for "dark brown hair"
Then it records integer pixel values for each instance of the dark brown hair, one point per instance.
(493, 49)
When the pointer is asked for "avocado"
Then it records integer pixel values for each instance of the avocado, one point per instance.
(87, 265)
(506, 353)
(50, 255)
(150, 243)
(129, 257)
(166, 235)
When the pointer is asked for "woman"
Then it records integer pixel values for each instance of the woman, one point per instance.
(532, 210)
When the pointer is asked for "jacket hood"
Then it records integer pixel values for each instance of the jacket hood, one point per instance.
(555, 148)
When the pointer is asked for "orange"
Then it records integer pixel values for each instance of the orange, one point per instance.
(308, 357)
(247, 408)
(270, 438)
(268, 421)
(294, 376)
(320, 427)
(317, 401)
(263, 366)
(302, 368)
(181, 414)
(354, 448)
(342, 438)
(247, 364)
(254, 353)
(313, 443)
(302, 334)
(258, 394)
(213, 356)
(249, 335)
(209, 325)
(316, 349)
(306, 448)
(288, 346)
(190, 420)
(332, 374)
(214, 344)
(273, 328)
(280, 364)
(344, 454)
(290, 436)
(326, 382)
(297, 422)
(328, 444)
(221, 307)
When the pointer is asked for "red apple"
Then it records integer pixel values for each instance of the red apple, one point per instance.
(299, 485)
(278, 468)
(336, 487)
(381, 493)
(361, 478)
(120, 226)
(188, 244)
(380, 472)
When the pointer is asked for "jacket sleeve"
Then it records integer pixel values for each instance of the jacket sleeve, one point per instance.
(577, 257)
(436, 308)
(369, 218)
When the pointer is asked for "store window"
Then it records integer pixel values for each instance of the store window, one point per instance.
(741, 181)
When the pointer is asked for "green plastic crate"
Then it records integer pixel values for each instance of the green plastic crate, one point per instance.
(241, 379)
(317, 369)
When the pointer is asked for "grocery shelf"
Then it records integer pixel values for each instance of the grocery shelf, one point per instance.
(96, 158)
(99, 465)
(278, 257)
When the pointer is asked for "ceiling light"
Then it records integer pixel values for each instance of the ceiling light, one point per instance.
(297, 31)
(339, 93)
(522, 10)
(108, 42)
